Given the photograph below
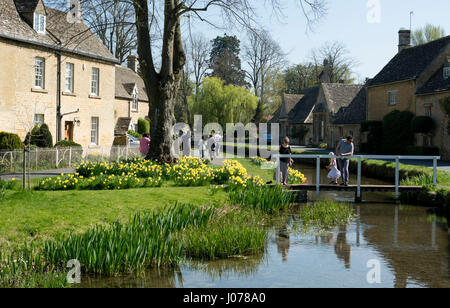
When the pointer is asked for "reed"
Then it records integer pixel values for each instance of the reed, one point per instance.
(146, 241)
(325, 215)
(262, 198)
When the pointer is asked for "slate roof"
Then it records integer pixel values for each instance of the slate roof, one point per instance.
(356, 112)
(74, 37)
(26, 5)
(288, 103)
(410, 62)
(122, 126)
(339, 95)
(301, 113)
(125, 81)
(436, 83)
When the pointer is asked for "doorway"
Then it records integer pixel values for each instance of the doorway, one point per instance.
(68, 131)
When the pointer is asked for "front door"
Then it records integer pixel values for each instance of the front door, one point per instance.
(68, 131)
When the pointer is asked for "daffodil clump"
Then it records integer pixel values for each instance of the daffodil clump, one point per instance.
(100, 182)
(141, 168)
(296, 177)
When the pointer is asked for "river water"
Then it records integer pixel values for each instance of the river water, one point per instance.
(387, 245)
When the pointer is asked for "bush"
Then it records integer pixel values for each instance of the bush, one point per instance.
(424, 151)
(33, 137)
(45, 137)
(143, 126)
(10, 141)
(67, 144)
(423, 125)
(134, 134)
(397, 133)
(374, 130)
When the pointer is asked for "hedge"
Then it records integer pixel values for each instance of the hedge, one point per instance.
(423, 125)
(143, 126)
(10, 141)
(67, 144)
(45, 137)
(397, 133)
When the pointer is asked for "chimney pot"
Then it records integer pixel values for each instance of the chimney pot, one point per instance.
(132, 62)
(404, 39)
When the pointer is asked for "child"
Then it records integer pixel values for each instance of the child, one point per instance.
(334, 174)
(202, 147)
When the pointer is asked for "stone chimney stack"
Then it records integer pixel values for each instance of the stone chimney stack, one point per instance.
(132, 62)
(404, 39)
(324, 77)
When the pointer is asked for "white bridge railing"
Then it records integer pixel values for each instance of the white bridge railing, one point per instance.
(397, 160)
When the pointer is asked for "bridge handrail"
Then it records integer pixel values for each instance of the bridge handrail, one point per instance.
(397, 159)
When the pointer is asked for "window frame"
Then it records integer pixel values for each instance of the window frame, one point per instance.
(40, 74)
(446, 73)
(95, 131)
(71, 77)
(39, 123)
(393, 93)
(135, 101)
(39, 23)
(97, 81)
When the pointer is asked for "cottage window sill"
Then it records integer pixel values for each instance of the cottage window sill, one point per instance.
(94, 96)
(68, 94)
(37, 90)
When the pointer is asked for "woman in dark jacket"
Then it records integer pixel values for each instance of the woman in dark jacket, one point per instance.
(285, 149)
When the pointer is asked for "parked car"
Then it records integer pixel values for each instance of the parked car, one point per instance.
(133, 141)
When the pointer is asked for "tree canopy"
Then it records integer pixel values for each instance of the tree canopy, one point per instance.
(427, 34)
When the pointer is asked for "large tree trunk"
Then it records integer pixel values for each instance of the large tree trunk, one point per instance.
(161, 87)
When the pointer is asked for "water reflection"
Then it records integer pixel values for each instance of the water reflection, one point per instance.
(342, 249)
(283, 242)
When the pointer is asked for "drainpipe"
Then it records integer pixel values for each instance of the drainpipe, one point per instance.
(58, 97)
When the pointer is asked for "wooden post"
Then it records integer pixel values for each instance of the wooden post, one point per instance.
(318, 176)
(397, 177)
(435, 171)
(278, 170)
(358, 189)
(24, 174)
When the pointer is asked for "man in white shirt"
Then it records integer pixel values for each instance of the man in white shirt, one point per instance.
(218, 142)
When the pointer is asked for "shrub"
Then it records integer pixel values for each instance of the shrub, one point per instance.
(10, 141)
(423, 151)
(33, 137)
(67, 144)
(45, 137)
(397, 133)
(143, 126)
(423, 125)
(134, 134)
(374, 130)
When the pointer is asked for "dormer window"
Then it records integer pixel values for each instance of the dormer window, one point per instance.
(446, 73)
(135, 101)
(39, 23)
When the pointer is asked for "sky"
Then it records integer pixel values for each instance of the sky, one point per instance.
(372, 41)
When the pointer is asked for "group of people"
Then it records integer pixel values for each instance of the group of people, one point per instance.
(338, 168)
(212, 144)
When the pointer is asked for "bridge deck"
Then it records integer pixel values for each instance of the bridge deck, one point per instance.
(353, 188)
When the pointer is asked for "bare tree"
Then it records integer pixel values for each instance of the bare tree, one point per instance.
(262, 55)
(113, 22)
(198, 51)
(340, 62)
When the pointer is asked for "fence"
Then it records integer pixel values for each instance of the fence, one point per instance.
(360, 158)
(44, 159)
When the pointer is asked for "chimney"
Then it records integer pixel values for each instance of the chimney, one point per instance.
(404, 39)
(132, 62)
(324, 77)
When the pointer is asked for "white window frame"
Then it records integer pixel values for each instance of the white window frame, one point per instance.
(446, 73)
(95, 81)
(393, 98)
(39, 73)
(69, 80)
(39, 119)
(40, 23)
(135, 101)
(95, 122)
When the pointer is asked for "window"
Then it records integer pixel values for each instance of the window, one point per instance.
(428, 112)
(38, 119)
(135, 102)
(69, 77)
(94, 130)
(39, 23)
(341, 131)
(446, 73)
(393, 98)
(95, 81)
(39, 73)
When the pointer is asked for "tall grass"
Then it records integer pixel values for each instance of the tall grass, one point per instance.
(228, 236)
(421, 180)
(264, 198)
(325, 215)
(146, 241)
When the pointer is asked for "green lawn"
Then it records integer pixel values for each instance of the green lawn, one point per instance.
(41, 215)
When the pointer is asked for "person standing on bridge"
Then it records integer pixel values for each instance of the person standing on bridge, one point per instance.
(345, 149)
(285, 149)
